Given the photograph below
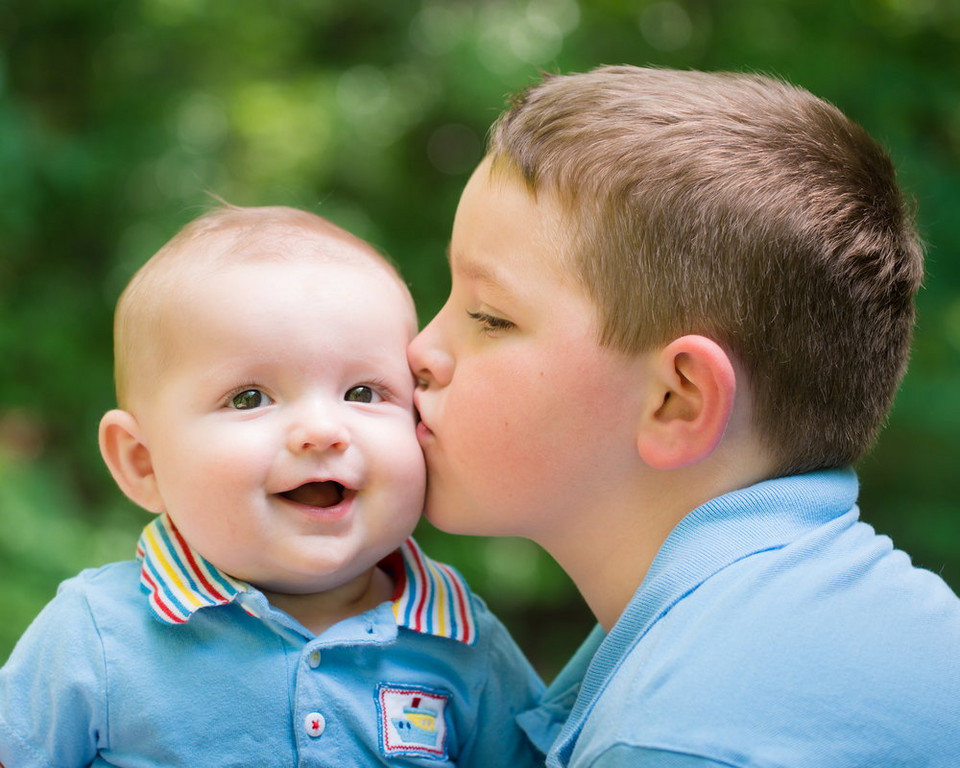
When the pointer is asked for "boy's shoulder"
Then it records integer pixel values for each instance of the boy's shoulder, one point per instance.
(821, 643)
(840, 689)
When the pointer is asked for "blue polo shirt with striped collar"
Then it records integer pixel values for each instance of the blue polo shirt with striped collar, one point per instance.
(168, 661)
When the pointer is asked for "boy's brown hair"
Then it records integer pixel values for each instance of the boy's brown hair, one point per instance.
(743, 209)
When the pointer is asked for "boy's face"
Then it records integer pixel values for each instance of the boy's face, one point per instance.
(526, 420)
(282, 434)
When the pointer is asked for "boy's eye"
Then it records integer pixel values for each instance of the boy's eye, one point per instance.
(490, 323)
(249, 399)
(362, 394)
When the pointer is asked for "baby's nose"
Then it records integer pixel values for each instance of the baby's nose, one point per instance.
(317, 429)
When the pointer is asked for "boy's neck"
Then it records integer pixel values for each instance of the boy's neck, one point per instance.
(608, 552)
(321, 610)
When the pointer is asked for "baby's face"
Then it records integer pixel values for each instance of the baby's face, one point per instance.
(282, 433)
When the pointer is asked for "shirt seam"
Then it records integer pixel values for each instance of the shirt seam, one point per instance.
(103, 695)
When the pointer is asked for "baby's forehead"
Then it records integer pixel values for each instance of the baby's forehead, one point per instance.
(205, 253)
(201, 297)
(271, 250)
(270, 243)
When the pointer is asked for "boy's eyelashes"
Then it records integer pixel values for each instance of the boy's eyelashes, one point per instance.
(490, 323)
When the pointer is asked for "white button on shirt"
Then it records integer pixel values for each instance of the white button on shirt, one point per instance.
(314, 659)
(314, 723)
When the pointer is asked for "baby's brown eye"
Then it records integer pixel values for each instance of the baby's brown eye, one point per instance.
(249, 399)
(361, 394)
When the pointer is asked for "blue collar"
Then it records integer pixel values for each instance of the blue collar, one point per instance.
(430, 597)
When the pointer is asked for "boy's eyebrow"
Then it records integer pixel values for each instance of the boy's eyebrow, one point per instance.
(475, 270)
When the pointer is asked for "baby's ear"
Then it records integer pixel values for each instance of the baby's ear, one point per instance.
(693, 391)
(128, 459)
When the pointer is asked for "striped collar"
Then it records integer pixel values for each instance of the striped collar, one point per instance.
(430, 597)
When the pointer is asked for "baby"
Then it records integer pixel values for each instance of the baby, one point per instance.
(278, 612)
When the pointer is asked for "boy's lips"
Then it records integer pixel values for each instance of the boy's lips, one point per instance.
(423, 430)
(327, 493)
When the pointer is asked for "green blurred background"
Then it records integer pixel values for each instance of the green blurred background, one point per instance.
(118, 118)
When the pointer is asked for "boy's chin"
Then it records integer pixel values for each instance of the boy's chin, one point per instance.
(448, 523)
(441, 523)
(460, 526)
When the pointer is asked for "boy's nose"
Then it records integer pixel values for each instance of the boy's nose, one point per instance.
(317, 430)
(430, 363)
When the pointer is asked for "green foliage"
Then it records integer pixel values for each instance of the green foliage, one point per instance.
(119, 119)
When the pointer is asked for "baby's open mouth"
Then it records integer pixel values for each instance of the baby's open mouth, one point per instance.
(325, 494)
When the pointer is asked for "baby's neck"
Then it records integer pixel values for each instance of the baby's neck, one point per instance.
(321, 610)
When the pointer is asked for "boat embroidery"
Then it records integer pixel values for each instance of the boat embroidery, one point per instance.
(412, 720)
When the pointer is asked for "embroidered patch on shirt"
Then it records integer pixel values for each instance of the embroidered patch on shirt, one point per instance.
(412, 720)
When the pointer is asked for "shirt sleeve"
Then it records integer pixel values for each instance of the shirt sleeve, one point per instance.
(511, 687)
(52, 688)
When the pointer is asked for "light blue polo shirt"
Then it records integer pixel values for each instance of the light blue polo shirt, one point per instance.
(194, 668)
(772, 629)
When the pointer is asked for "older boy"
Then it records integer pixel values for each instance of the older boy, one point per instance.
(280, 614)
(681, 305)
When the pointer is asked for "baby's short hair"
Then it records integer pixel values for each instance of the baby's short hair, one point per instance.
(224, 236)
(742, 208)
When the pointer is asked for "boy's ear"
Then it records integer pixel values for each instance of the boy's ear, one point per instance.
(128, 459)
(691, 402)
